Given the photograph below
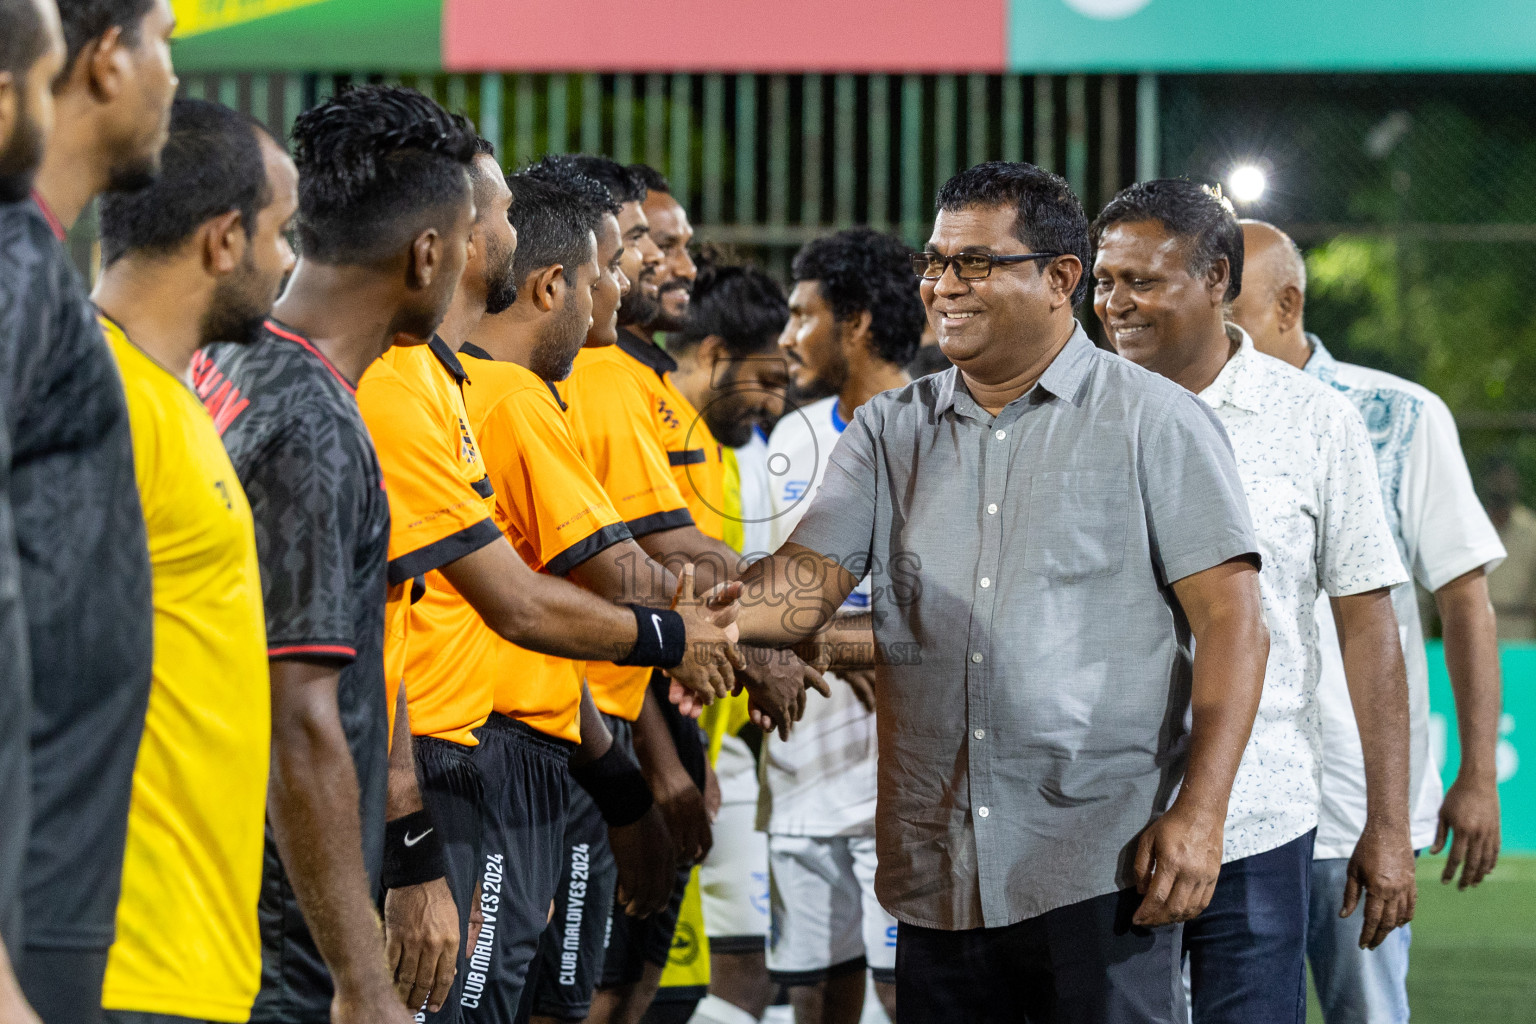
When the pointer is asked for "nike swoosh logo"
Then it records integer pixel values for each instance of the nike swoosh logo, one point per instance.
(656, 621)
(413, 840)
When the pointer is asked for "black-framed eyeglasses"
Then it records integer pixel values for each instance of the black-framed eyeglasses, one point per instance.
(969, 266)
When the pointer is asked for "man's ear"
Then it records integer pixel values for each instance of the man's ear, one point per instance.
(1289, 305)
(224, 243)
(711, 352)
(855, 333)
(107, 63)
(476, 244)
(1062, 275)
(547, 287)
(10, 105)
(426, 259)
(1218, 280)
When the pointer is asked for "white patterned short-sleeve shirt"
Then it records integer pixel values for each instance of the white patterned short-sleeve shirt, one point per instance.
(1309, 472)
(1441, 532)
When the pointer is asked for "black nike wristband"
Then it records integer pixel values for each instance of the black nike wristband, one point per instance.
(413, 851)
(616, 786)
(660, 638)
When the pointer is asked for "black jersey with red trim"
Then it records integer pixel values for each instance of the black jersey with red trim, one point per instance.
(84, 586)
(291, 424)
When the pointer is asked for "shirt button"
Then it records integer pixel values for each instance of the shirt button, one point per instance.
(981, 734)
(976, 658)
(991, 510)
(985, 582)
(983, 811)
(1002, 434)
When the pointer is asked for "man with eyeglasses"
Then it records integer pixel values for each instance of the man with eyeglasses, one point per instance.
(1046, 529)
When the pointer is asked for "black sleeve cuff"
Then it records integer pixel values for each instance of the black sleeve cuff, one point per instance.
(582, 550)
(440, 552)
(659, 521)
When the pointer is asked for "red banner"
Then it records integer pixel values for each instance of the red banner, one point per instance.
(724, 35)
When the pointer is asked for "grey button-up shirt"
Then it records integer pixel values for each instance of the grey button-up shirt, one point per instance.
(1035, 670)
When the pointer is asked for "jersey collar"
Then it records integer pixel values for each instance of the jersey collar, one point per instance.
(54, 224)
(838, 423)
(282, 330)
(449, 358)
(636, 347)
(469, 348)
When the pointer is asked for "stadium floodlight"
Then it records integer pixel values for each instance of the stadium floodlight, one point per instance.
(1247, 183)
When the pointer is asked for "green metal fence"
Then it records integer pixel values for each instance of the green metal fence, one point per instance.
(765, 162)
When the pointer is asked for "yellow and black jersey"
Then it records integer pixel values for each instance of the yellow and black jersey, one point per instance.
(631, 427)
(441, 508)
(552, 510)
(187, 935)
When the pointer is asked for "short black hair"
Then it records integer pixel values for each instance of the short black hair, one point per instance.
(651, 178)
(562, 172)
(479, 183)
(1049, 217)
(740, 305)
(85, 20)
(22, 36)
(1197, 213)
(375, 162)
(863, 269)
(212, 164)
(554, 226)
(622, 183)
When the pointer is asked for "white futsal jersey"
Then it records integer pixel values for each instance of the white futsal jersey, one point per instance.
(821, 781)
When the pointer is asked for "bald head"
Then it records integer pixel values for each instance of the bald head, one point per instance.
(1274, 293)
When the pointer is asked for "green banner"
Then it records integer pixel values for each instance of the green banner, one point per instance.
(1271, 35)
(330, 35)
(1517, 737)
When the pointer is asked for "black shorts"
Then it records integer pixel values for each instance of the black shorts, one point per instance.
(570, 957)
(527, 786)
(135, 1017)
(454, 795)
(634, 942)
(637, 941)
(63, 985)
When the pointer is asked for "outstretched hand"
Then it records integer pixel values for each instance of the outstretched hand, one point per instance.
(706, 671)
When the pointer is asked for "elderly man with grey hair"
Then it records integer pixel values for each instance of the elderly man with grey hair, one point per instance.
(1447, 542)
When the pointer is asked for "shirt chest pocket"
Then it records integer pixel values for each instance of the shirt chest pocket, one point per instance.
(1075, 525)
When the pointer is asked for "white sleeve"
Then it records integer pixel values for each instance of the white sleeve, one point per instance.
(1444, 526)
(1356, 550)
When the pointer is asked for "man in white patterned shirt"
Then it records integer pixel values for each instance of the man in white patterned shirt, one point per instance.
(1444, 535)
(1169, 257)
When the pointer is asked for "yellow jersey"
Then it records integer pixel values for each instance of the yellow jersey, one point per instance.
(640, 438)
(187, 937)
(553, 512)
(441, 508)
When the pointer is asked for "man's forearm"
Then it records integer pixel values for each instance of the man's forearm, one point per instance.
(654, 748)
(1378, 692)
(313, 805)
(595, 737)
(849, 641)
(790, 596)
(404, 787)
(1472, 659)
(1231, 651)
(714, 561)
